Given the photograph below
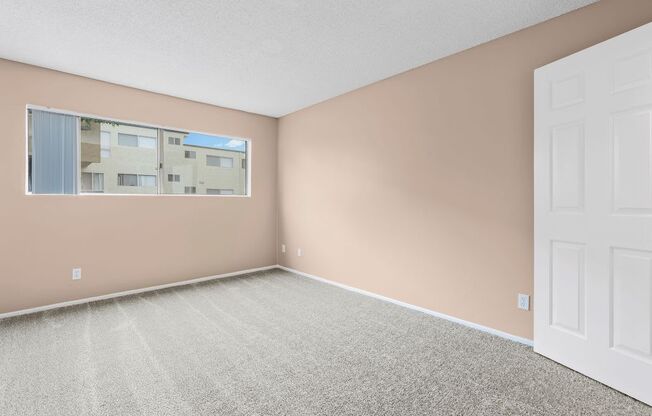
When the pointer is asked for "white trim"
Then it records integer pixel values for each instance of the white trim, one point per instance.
(479, 327)
(131, 292)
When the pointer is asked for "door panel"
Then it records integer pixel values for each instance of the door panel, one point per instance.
(593, 212)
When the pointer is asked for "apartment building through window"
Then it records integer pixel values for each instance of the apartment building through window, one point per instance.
(91, 155)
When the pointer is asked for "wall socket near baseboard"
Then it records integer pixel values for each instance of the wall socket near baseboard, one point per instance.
(76, 273)
(523, 302)
(299, 252)
(282, 248)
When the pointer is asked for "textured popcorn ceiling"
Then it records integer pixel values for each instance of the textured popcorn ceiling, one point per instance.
(269, 57)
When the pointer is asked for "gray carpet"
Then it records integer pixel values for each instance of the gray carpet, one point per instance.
(273, 343)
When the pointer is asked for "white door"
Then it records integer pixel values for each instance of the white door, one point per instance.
(593, 212)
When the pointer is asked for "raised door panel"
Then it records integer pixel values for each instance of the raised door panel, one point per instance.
(632, 162)
(632, 302)
(567, 287)
(567, 168)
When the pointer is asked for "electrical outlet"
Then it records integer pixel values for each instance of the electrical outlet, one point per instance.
(299, 252)
(282, 248)
(76, 274)
(524, 302)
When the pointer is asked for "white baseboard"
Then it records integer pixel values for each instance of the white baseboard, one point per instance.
(479, 327)
(131, 292)
(310, 276)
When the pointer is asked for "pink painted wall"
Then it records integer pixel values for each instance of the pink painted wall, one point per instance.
(419, 187)
(123, 242)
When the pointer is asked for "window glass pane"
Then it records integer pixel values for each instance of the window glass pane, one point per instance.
(105, 144)
(219, 191)
(226, 162)
(147, 142)
(120, 153)
(86, 182)
(98, 182)
(212, 161)
(127, 140)
(105, 139)
(127, 179)
(92, 182)
(147, 180)
(203, 163)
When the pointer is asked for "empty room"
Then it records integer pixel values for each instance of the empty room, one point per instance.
(286, 207)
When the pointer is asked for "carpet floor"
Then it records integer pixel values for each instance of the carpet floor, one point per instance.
(274, 343)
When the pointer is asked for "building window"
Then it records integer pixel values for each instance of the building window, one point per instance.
(127, 179)
(219, 161)
(148, 181)
(219, 192)
(92, 182)
(127, 140)
(105, 144)
(131, 179)
(71, 154)
(147, 142)
(132, 140)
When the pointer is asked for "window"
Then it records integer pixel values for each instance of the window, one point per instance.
(147, 142)
(127, 140)
(196, 161)
(132, 140)
(126, 154)
(105, 144)
(92, 182)
(219, 161)
(147, 181)
(127, 179)
(219, 191)
(130, 179)
(69, 154)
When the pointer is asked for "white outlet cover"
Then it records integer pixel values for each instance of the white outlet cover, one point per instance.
(524, 302)
(282, 248)
(76, 274)
(299, 252)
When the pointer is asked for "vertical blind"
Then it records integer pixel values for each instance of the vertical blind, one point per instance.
(54, 153)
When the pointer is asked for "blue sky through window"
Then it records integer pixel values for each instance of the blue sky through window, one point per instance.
(216, 142)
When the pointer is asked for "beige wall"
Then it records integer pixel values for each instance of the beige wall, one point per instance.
(123, 242)
(419, 187)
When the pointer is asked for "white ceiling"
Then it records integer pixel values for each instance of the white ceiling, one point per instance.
(269, 57)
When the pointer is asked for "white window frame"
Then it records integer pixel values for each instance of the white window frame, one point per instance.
(248, 155)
